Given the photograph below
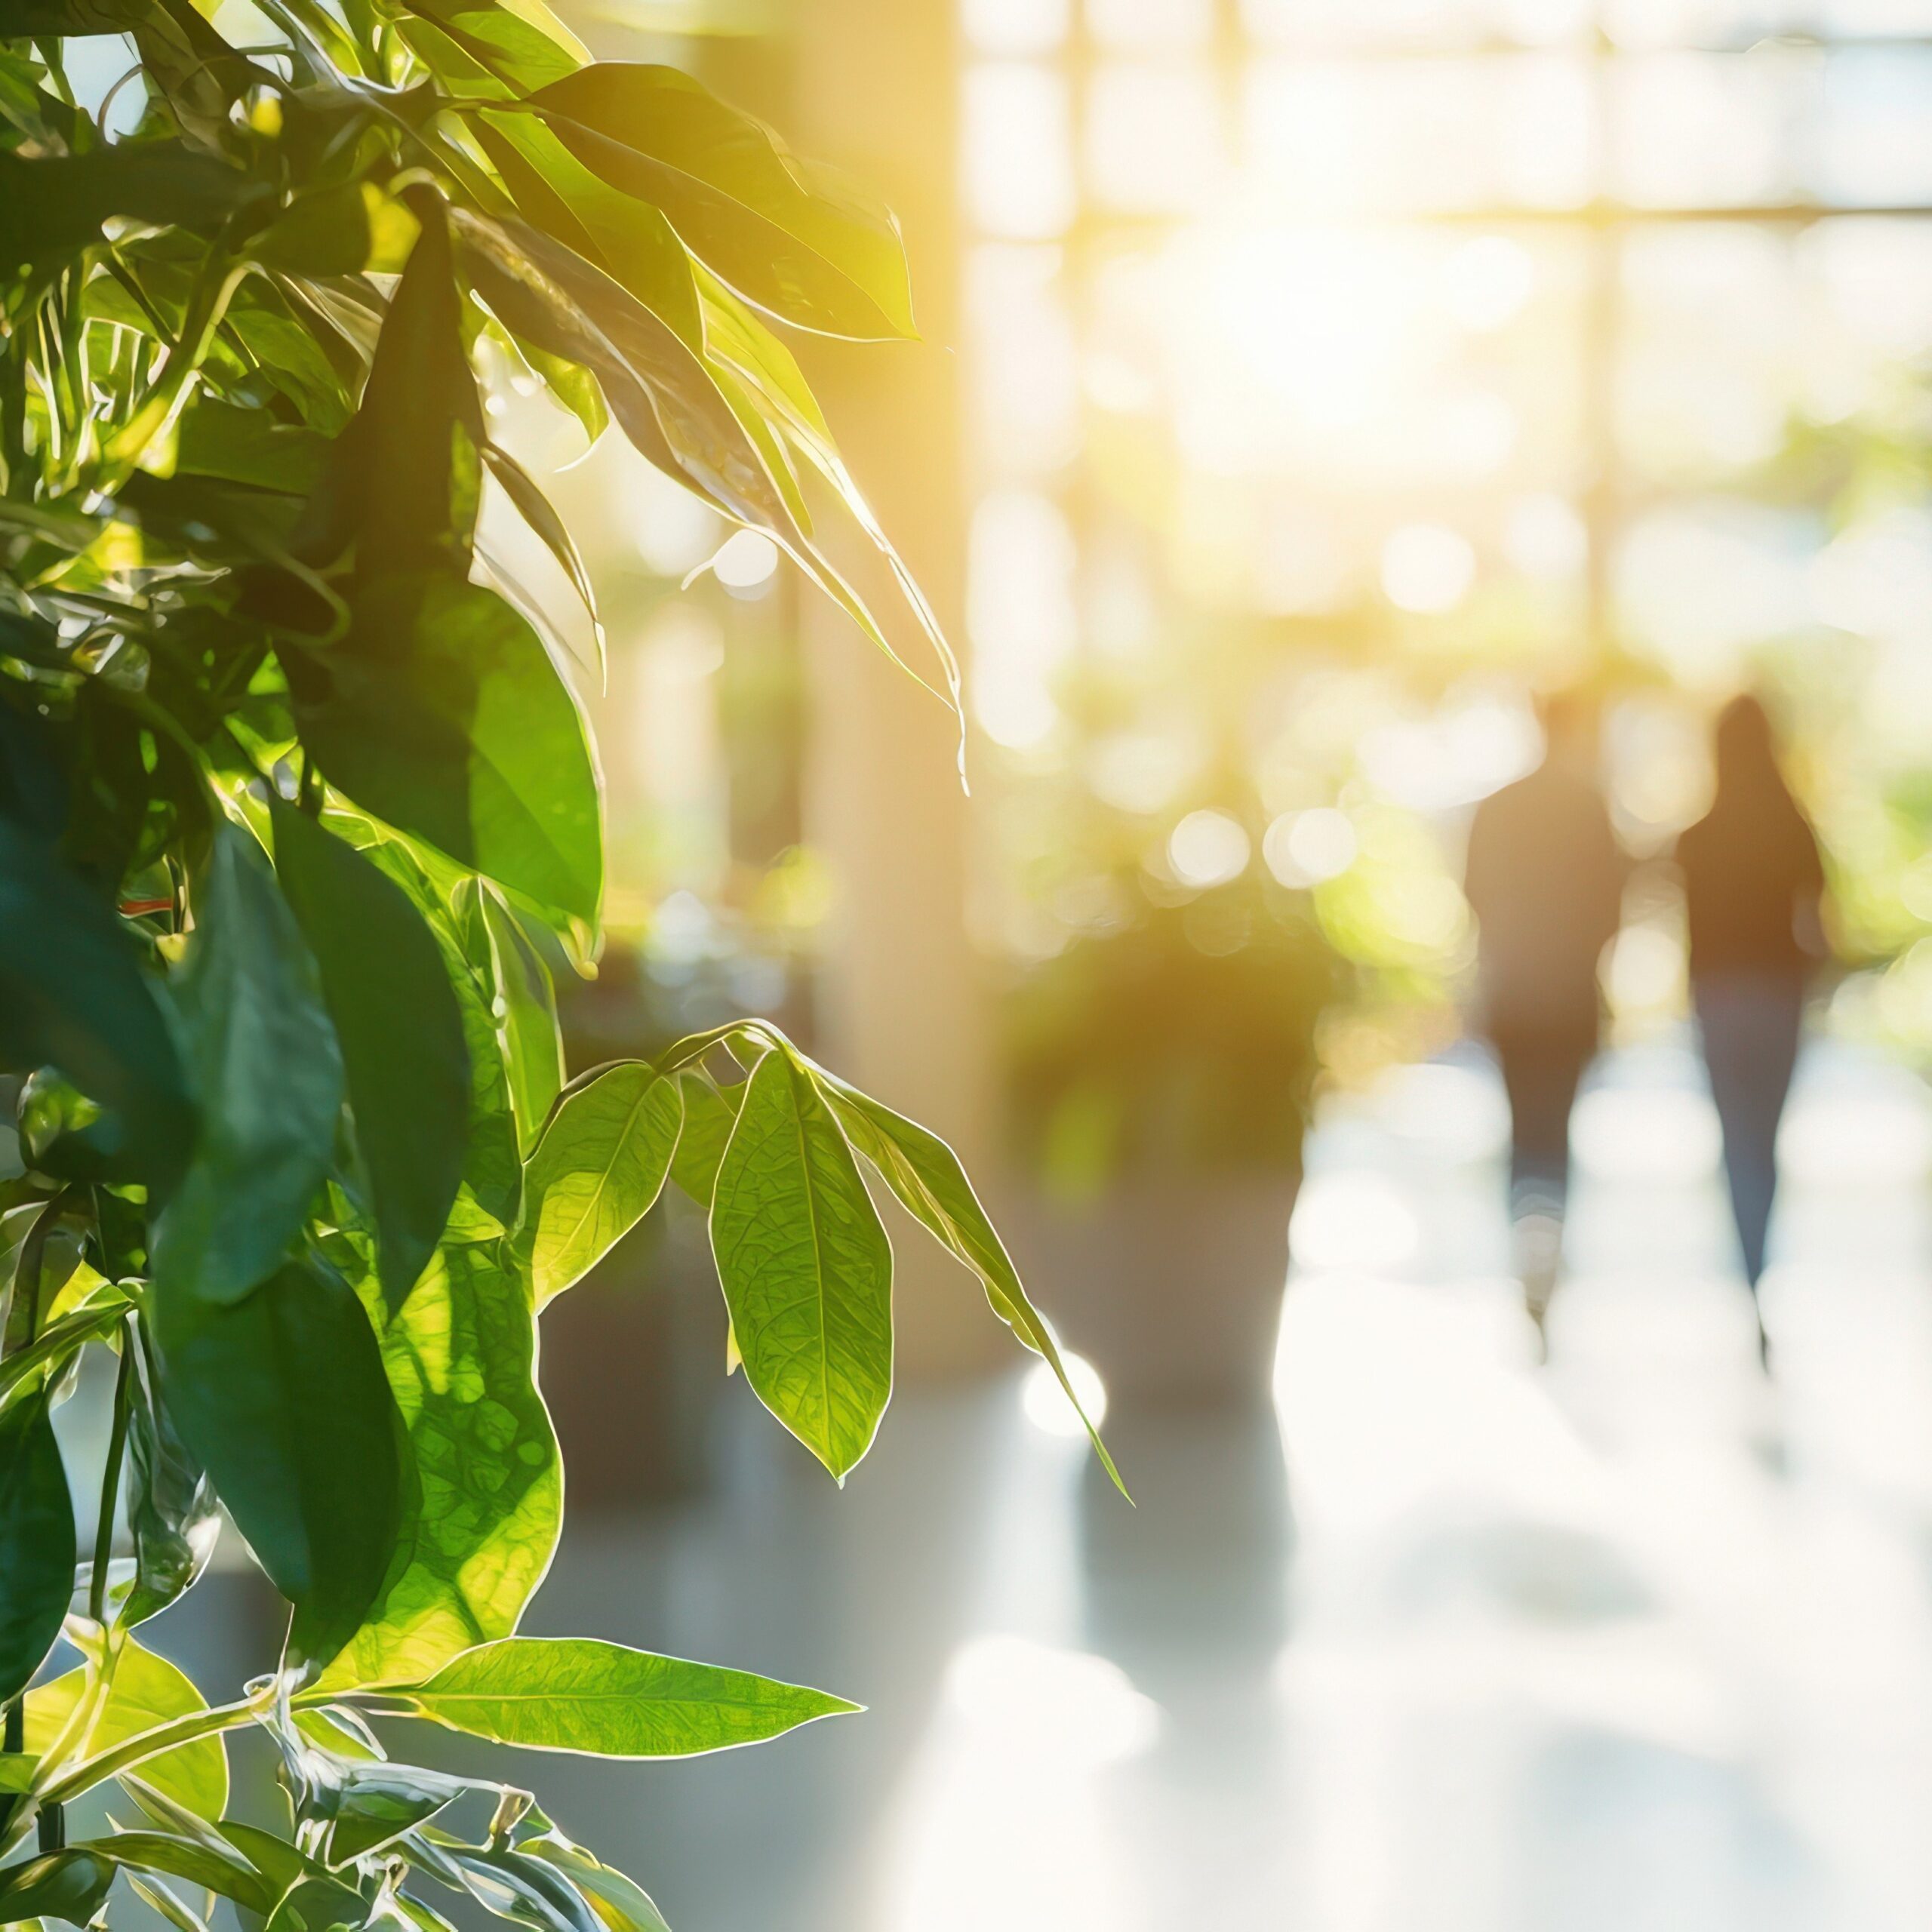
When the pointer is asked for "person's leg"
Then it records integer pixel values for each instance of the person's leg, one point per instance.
(1540, 1074)
(1750, 1027)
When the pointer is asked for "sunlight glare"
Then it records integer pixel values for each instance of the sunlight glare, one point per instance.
(1044, 1401)
(1207, 848)
(1427, 568)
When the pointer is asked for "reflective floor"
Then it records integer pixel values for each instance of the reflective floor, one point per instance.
(1629, 1643)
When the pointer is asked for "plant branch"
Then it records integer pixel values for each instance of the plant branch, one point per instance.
(110, 1482)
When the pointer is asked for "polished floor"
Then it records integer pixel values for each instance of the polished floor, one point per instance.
(1634, 1641)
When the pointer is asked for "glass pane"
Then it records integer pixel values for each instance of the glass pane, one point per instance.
(1018, 163)
(1144, 25)
(1873, 140)
(1153, 136)
(1421, 135)
(1021, 612)
(1014, 26)
(1026, 414)
(1710, 352)
(1704, 130)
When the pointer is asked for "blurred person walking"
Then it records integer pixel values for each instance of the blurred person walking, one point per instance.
(1545, 878)
(1752, 887)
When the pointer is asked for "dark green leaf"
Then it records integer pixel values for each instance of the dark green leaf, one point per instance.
(268, 1076)
(71, 1884)
(369, 1805)
(411, 458)
(71, 996)
(173, 1516)
(400, 1031)
(319, 1905)
(806, 1266)
(242, 445)
(193, 1862)
(597, 1172)
(307, 1462)
(493, 1166)
(460, 1356)
(56, 203)
(795, 238)
(447, 718)
(37, 1542)
(574, 1693)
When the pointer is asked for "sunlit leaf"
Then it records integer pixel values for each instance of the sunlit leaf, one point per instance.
(460, 1355)
(145, 1690)
(793, 237)
(597, 1172)
(574, 1693)
(806, 1266)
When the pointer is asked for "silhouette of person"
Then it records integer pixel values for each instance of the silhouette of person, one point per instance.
(1545, 878)
(1753, 886)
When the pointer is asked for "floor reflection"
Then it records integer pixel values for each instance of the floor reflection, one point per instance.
(1628, 1643)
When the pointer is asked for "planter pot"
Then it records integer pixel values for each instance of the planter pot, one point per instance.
(1171, 1287)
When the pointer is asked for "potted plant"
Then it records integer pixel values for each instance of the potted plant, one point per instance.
(284, 789)
(1160, 1075)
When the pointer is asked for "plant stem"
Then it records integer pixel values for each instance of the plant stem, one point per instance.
(110, 1481)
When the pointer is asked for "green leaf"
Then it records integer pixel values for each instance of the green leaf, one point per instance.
(492, 1164)
(400, 1031)
(710, 1113)
(521, 1889)
(925, 1174)
(447, 718)
(369, 1805)
(806, 1266)
(282, 1398)
(460, 1355)
(173, 1516)
(245, 445)
(319, 1905)
(657, 386)
(628, 239)
(575, 1693)
(524, 45)
(71, 996)
(268, 1074)
(145, 1690)
(71, 1884)
(56, 203)
(620, 1903)
(795, 237)
(540, 513)
(413, 452)
(524, 1002)
(597, 1172)
(37, 1542)
(207, 1865)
